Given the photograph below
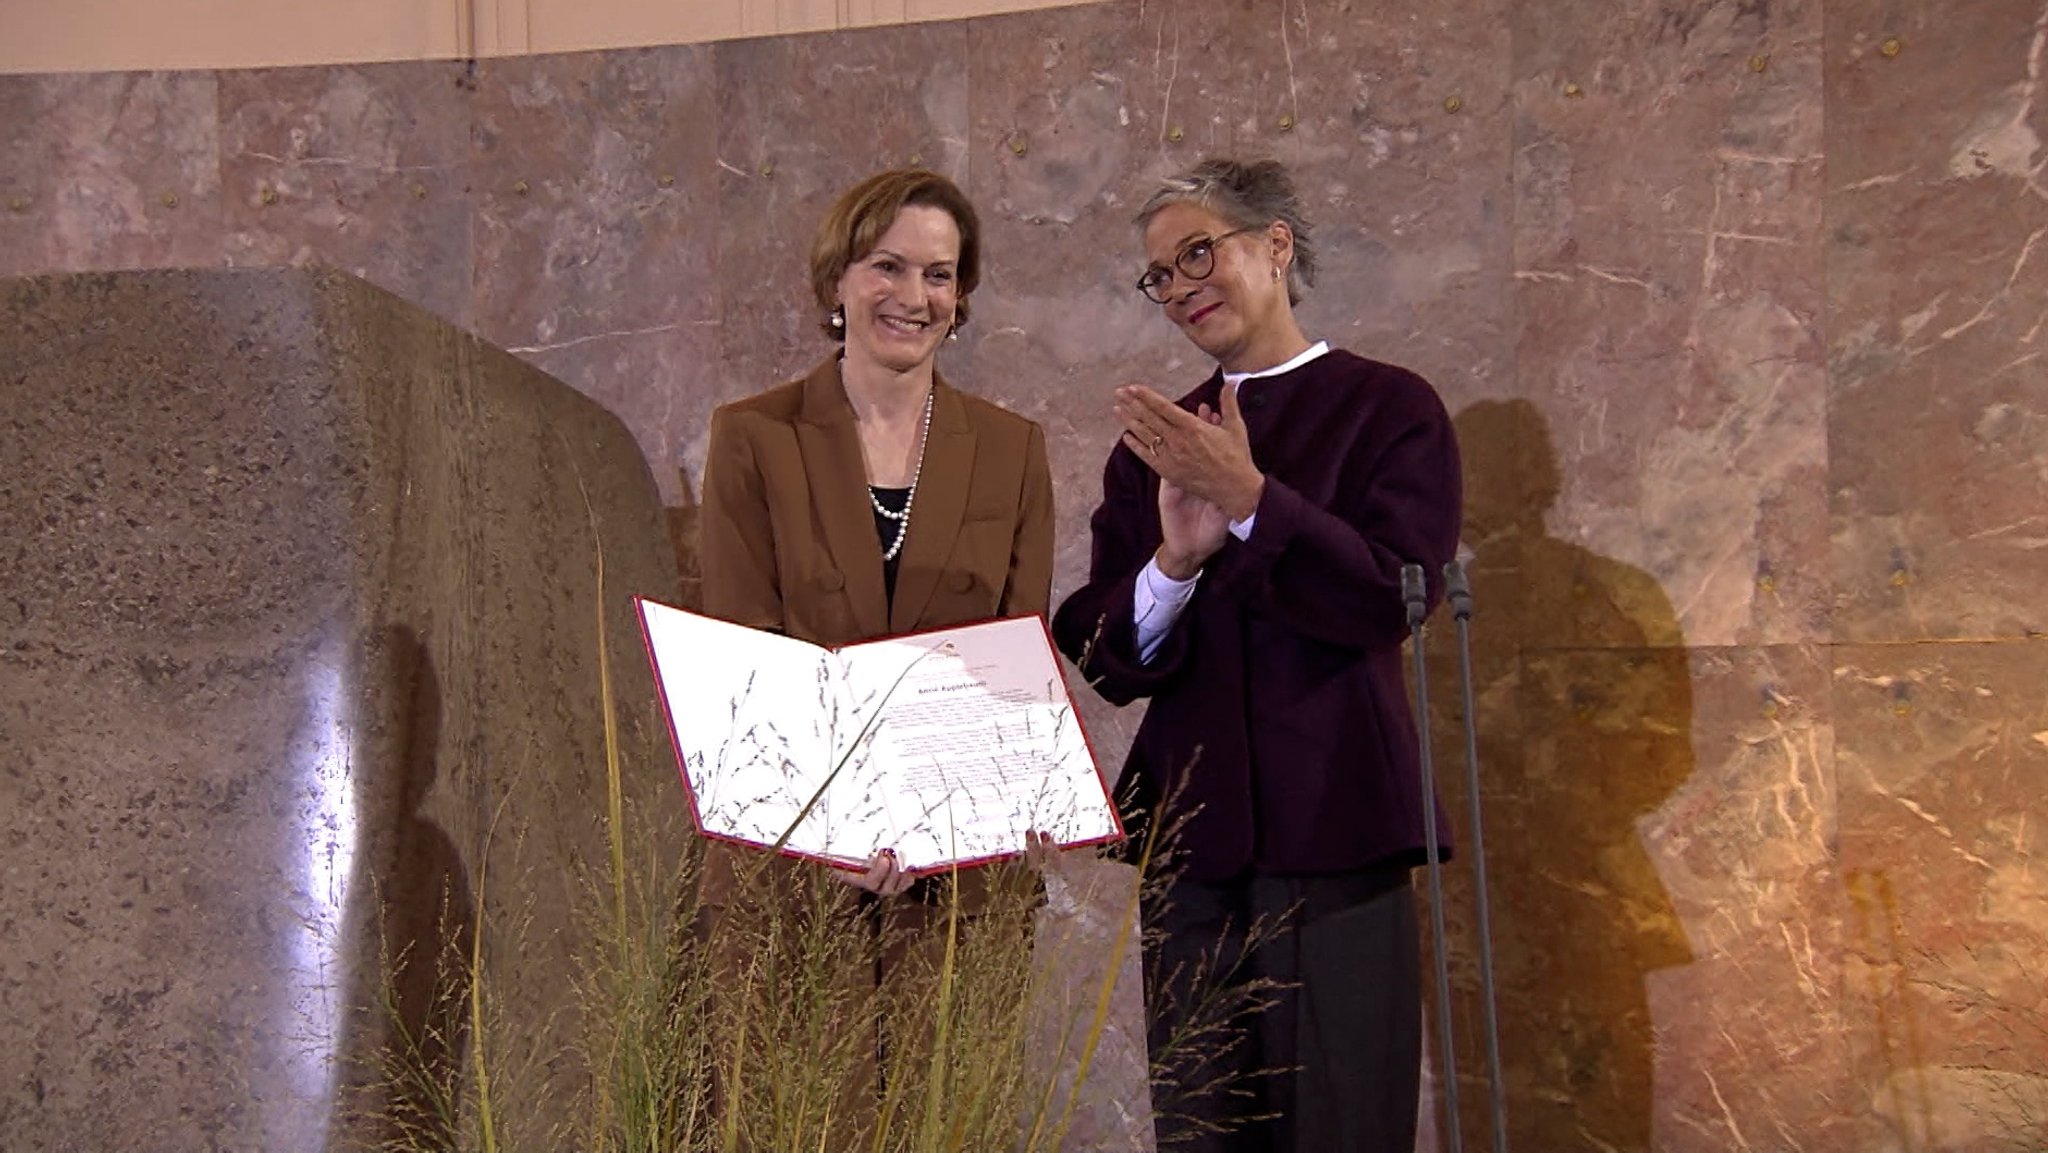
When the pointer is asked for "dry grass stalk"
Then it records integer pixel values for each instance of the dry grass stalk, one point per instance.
(688, 1052)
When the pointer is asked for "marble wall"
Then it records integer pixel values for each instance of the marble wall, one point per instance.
(1736, 304)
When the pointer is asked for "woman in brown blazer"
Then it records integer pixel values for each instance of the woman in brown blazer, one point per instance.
(872, 498)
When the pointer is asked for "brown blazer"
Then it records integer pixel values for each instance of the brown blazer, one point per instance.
(788, 539)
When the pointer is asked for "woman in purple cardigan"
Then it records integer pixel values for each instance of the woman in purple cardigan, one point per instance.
(1246, 578)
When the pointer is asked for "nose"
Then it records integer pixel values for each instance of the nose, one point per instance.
(915, 293)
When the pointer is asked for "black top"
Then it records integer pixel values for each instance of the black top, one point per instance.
(893, 499)
(929, 890)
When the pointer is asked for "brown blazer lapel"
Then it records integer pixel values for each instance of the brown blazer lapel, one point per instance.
(838, 480)
(938, 509)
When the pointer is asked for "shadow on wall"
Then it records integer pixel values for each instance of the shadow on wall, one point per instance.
(418, 972)
(1584, 696)
(1877, 936)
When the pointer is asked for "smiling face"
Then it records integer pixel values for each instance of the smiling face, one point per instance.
(1238, 313)
(900, 298)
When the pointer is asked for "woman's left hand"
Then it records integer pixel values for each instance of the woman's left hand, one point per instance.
(1040, 850)
(884, 877)
(1210, 460)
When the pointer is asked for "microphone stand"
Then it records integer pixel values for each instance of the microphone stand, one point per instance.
(1458, 590)
(1414, 592)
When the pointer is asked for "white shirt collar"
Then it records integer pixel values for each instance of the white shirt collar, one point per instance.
(1314, 350)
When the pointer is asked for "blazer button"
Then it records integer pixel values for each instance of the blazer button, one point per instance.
(962, 581)
(831, 580)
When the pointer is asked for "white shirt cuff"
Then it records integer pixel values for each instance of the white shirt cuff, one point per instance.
(1156, 602)
(1242, 529)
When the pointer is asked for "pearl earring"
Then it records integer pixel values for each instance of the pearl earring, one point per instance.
(838, 317)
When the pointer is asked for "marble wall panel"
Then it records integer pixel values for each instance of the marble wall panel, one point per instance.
(112, 170)
(597, 227)
(1750, 1037)
(365, 169)
(1938, 293)
(1659, 835)
(1943, 754)
(1668, 193)
(649, 380)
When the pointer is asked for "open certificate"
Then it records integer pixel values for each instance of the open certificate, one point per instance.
(947, 746)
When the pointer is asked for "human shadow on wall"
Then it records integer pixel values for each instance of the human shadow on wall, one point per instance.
(1585, 715)
(414, 979)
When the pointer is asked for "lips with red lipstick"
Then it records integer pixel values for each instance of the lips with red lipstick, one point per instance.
(1197, 316)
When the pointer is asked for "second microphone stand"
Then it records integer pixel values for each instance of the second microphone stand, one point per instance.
(1458, 592)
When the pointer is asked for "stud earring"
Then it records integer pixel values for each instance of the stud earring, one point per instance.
(838, 317)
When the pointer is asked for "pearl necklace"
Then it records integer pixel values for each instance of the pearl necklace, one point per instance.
(902, 519)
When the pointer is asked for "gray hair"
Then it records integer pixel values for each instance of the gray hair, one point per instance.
(1250, 195)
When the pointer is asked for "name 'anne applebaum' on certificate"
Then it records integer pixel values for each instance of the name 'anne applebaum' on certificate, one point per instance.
(948, 746)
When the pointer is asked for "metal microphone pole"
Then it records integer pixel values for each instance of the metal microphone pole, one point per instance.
(1458, 590)
(1416, 595)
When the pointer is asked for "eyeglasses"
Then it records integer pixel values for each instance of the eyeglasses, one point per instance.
(1195, 262)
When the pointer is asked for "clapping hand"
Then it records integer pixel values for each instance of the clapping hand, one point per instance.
(1203, 454)
(1193, 529)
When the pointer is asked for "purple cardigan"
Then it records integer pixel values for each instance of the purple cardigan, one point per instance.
(1281, 683)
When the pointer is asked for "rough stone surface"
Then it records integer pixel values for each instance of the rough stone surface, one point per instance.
(301, 634)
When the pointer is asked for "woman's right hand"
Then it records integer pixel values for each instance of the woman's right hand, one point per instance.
(1194, 529)
(884, 877)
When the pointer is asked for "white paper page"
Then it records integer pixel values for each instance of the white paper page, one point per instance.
(754, 714)
(978, 744)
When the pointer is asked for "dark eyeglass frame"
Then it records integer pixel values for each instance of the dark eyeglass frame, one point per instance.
(1196, 261)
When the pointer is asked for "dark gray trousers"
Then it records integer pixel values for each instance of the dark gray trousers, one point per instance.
(1335, 1064)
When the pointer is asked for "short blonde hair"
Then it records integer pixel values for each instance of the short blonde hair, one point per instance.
(865, 211)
